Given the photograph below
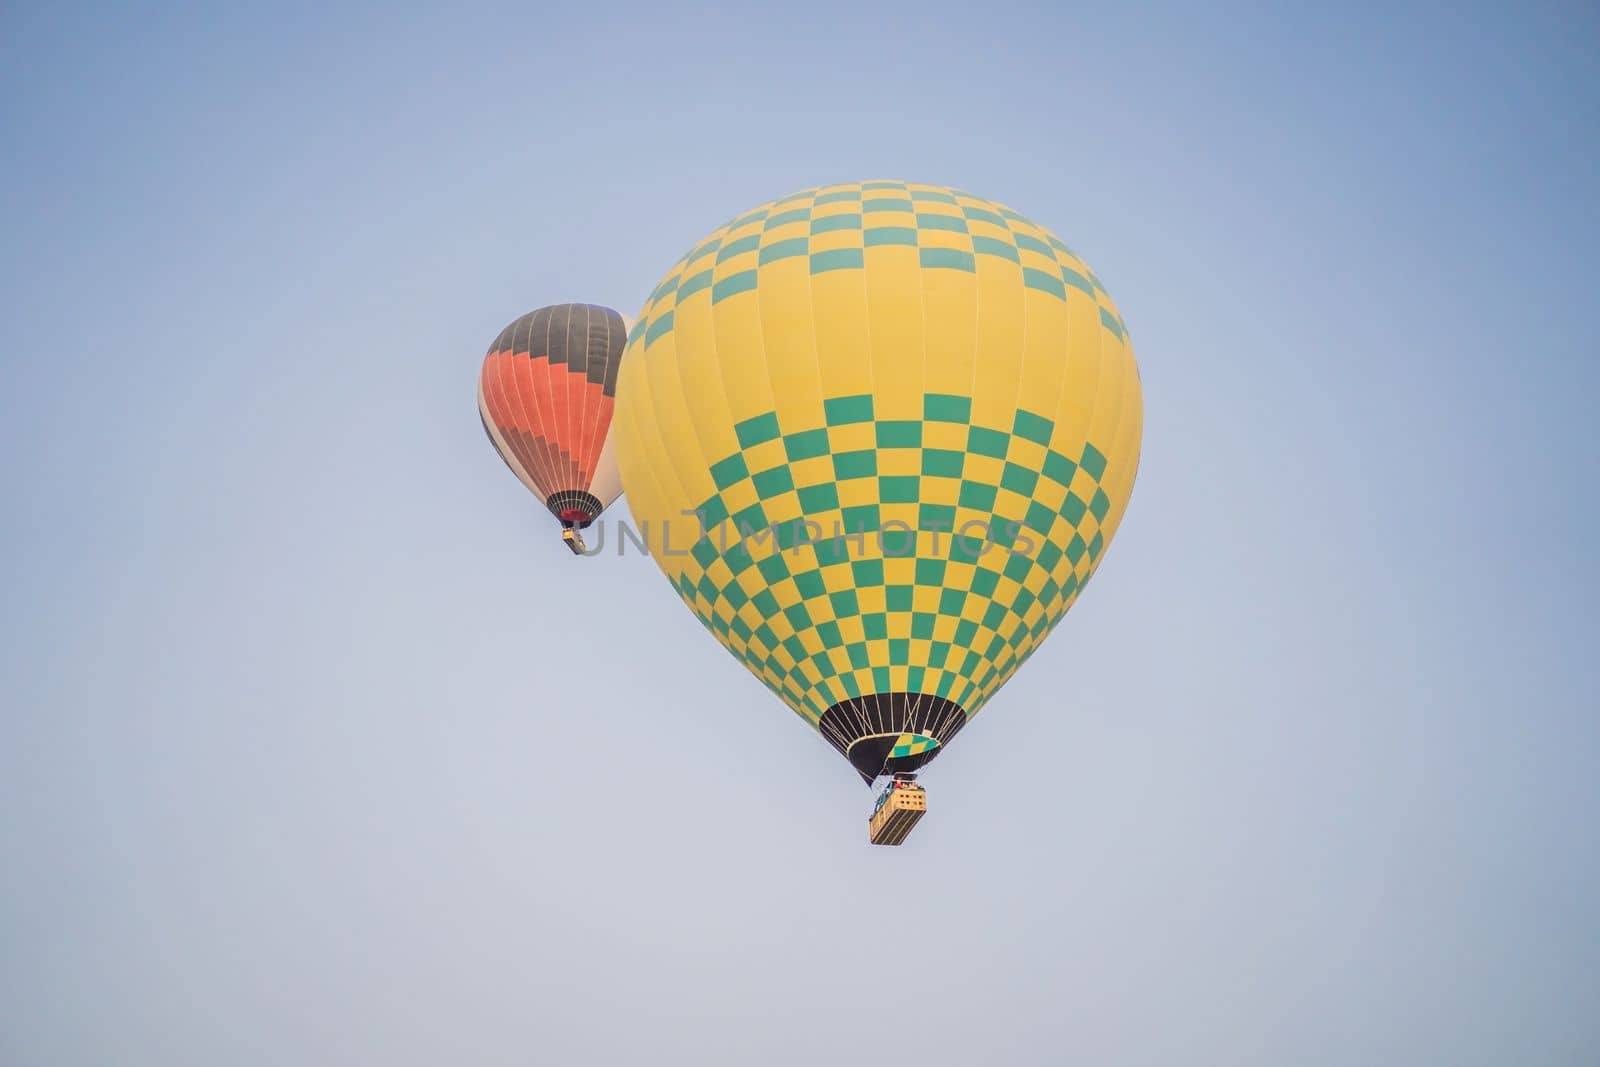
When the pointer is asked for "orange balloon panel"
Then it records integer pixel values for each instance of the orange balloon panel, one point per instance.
(546, 395)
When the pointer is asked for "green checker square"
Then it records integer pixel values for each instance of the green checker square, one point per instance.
(942, 462)
(735, 595)
(966, 630)
(806, 445)
(751, 520)
(1024, 600)
(765, 603)
(859, 464)
(819, 498)
(1111, 323)
(1017, 568)
(703, 251)
(952, 223)
(773, 569)
(658, 326)
(1034, 278)
(970, 541)
(790, 534)
(947, 259)
(844, 603)
(860, 659)
(1033, 244)
(810, 584)
(795, 647)
(883, 203)
(1076, 548)
(1049, 555)
(1019, 480)
(992, 619)
(1099, 504)
(765, 638)
(951, 601)
(863, 518)
(845, 410)
(1073, 508)
(986, 442)
(693, 284)
(758, 430)
(914, 678)
(880, 679)
(970, 664)
(903, 434)
(938, 652)
(788, 248)
(1071, 585)
(730, 471)
(794, 214)
(1049, 592)
(851, 688)
(898, 597)
(838, 196)
(771, 483)
(889, 235)
(899, 651)
(936, 517)
(922, 625)
(977, 496)
(984, 245)
(737, 557)
(1059, 468)
(719, 624)
(1035, 428)
(867, 572)
(732, 285)
(830, 223)
(754, 216)
(930, 572)
(984, 582)
(1093, 461)
(1096, 545)
(875, 625)
(712, 512)
(934, 195)
(703, 552)
(978, 214)
(1077, 281)
(898, 489)
(946, 680)
(1004, 531)
(941, 407)
(831, 551)
(1039, 518)
(824, 664)
(798, 616)
(837, 259)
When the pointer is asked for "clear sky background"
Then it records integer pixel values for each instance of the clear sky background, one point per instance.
(318, 748)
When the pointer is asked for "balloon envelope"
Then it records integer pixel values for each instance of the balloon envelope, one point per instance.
(546, 396)
(910, 419)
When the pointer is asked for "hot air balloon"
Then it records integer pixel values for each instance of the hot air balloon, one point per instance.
(546, 397)
(895, 426)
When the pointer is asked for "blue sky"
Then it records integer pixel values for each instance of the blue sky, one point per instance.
(318, 746)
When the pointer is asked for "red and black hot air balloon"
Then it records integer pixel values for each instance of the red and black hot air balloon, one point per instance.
(545, 396)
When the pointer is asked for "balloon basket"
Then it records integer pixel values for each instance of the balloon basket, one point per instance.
(899, 809)
(573, 541)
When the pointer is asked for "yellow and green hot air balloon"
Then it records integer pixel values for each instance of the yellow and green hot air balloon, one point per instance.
(908, 420)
